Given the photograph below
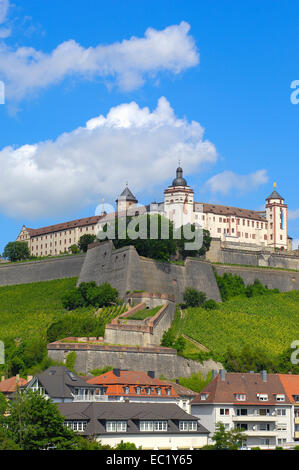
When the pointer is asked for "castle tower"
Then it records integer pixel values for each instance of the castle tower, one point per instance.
(277, 217)
(178, 201)
(126, 200)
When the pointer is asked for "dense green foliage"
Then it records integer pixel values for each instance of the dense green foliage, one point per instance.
(228, 440)
(231, 285)
(76, 324)
(246, 333)
(16, 251)
(160, 248)
(71, 360)
(193, 297)
(196, 382)
(169, 340)
(89, 294)
(84, 241)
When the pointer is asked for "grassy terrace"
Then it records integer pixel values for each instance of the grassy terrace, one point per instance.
(145, 313)
(255, 267)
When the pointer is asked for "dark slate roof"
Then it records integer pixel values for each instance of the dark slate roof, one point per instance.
(58, 382)
(275, 195)
(127, 195)
(97, 413)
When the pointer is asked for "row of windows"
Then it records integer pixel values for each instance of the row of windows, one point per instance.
(61, 233)
(257, 412)
(76, 425)
(148, 390)
(144, 425)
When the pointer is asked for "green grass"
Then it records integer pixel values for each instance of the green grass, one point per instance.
(253, 267)
(28, 309)
(268, 321)
(145, 313)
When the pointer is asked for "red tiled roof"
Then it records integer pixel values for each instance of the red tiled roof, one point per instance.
(34, 232)
(236, 211)
(242, 383)
(291, 385)
(115, 385)
(10, 385)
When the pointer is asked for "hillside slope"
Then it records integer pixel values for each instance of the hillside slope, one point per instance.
(268, 321)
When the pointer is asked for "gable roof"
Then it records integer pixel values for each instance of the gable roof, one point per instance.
(58, 382)
(250, 384)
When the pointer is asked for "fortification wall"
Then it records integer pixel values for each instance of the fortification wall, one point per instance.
(251, 256)
(272, 278)
(162, 360)
(43, 270)
(127, 271)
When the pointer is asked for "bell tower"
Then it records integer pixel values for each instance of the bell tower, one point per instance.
(179, 201)
(277, 217)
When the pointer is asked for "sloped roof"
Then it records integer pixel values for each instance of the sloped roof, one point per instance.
(58, 381)
(132, 379)
(98, 413)
(236, 211)
(10, 385)
(127, 195)
(34, 232)
(275, 195)
(249, 384)
(291, 385)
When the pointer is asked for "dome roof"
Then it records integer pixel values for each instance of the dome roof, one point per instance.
(179, 180)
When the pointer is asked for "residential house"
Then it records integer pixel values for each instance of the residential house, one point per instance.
(291, 386)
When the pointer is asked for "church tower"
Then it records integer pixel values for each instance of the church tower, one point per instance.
(277, 213)
(178, 201)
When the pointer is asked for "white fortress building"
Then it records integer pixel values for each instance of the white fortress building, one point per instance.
(268, 228)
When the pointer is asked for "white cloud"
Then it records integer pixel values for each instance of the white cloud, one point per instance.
(293, 214)
(4, 6)
(227, 181)
(128, 63)
(130, 143)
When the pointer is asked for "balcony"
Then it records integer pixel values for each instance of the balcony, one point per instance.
(297, 420)
(258, 433)
(296, 434)
(255, 418)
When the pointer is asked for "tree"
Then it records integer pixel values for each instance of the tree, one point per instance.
(35, 423)
(206, 241)
(84, 241)
(16, 251)
(194, 298)
(228, 440)
(74, 249)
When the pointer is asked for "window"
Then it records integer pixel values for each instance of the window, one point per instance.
(240, 396)
(296, 398)
(281, 441)
(188, 425)
(265, 427)
(76, 425)
(158, 390)
(241, 426)
(224, 411)
(242, 412)
(137, 389)
(281, 427)
(126, 389)
(262, 396)
(204, 396)
(265, 442)
(264, 412)
(116, 426)
(153, 425)
(281, 412)
(280, 397)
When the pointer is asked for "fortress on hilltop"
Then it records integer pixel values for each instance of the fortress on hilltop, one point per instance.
(266, 229)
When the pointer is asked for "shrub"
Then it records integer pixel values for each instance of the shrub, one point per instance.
(73, 299)
(71, 360)
(74, 249)
(210, 304)
(168, 339)
(180, 344)
(194, 298)
(74, 324)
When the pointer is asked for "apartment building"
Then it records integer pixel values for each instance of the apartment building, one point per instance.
(256, 403)
(291, 386)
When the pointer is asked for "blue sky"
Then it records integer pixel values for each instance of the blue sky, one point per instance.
(100, 93)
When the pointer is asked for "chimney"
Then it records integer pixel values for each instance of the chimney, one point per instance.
(151, 374)
(214, 373)
(222, 375)
(116, 372)
(264, 375)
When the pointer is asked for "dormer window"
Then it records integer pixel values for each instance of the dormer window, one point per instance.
(280, 397)
(262, 396)
(204, 396)
(240, 396)
(126, 390)
(158, 390)
(296, 398)
(137, 389)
